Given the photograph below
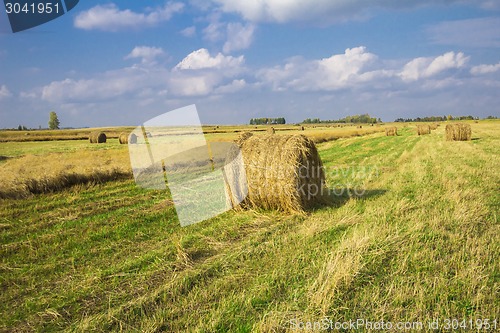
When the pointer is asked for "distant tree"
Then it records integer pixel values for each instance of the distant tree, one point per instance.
(53, 120)
(19, 128)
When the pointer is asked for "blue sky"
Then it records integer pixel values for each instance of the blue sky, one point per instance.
(111, 63)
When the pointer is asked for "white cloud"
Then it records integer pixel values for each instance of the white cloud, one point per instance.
(4, 92)
(477, 32)
(339, 71)
(189, 31)
(145, 53)
(232, 87)
(316, 11)
(214, 32)
(110, 18)
(485, 69)
(239, 37)
(201, 59)
(199, 73)
(427, 67)
(107, 86)
(358, 69)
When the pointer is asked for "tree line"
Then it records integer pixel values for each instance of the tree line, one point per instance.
(434, 118)
(356, 119)
(267, 121)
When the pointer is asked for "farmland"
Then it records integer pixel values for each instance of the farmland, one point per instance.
(411, 234)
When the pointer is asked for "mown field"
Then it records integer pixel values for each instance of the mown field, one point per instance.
(411, 233)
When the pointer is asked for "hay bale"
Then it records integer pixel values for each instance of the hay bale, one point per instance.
(124, 138)
(423, 129)
(458, 132)
(97, 137)
(271, 130)
(391, 131)
(283, 172)
(433, 126)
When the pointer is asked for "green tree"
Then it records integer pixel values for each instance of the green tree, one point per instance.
(53, 120)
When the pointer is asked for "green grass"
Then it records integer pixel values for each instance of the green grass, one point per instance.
(421, 242)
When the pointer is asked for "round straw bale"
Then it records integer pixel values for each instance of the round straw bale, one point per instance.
(391, 131)
(423, 129)
(97, 137)
(271, 130)
(283, 172)
(125, 138)
(458, 132)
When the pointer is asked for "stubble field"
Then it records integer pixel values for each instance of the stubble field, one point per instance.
(411, 234)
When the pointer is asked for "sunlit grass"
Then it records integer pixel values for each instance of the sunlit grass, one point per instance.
(421, 242)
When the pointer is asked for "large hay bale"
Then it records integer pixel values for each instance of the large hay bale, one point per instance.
(433, 126)
(97, 137)
(271, 130)
(423, 129)
(283, 172)
(125, 138)
(458, 132)
(391, 131)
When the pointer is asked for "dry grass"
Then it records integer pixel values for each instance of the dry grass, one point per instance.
(329, 134)
(58, 135)
(458, 132)
(32, 174)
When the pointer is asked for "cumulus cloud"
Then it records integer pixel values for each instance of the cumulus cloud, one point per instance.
(145, 53)
(357, 68)
(4, 92)
(336, 72)
(199, 73)
(427, 67)
(110, 18)
(317, 11)
(201, 59)
(485, 69)
(239, 37)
